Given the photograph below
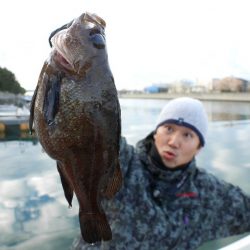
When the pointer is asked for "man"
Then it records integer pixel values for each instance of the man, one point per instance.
(166, 202)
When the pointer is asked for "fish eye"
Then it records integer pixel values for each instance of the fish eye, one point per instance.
(94, 31)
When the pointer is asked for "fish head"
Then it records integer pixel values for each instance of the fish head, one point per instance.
(80, 43)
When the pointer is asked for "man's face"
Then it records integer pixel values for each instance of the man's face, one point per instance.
(177, 145)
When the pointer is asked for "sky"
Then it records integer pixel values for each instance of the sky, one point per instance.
(148, 41)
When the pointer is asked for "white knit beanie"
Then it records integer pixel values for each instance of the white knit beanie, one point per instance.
(188, 112)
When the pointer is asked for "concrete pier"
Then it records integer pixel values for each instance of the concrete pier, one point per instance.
(232, 97)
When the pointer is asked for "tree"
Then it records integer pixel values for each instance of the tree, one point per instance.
(9, 83)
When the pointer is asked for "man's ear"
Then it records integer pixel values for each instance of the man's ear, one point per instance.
(154, 135)
(198, 149)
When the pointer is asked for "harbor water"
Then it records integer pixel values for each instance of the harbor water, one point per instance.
(33, 211)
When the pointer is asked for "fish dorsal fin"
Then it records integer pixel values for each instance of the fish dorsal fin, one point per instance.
(32, 110)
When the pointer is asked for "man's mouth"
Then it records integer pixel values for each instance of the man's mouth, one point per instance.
(168, 155)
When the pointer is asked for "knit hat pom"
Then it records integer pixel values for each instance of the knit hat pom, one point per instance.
(188, 112)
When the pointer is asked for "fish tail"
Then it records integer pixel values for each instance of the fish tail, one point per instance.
(115, 183)
(95, 227)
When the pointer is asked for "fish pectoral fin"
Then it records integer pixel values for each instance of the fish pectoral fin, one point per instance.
(94, 227)
(114, 183)
(51, 99)
(68, 191)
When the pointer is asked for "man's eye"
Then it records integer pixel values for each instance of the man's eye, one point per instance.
(188, 135)
(169, 129)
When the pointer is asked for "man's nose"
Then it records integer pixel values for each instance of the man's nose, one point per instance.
(174, 140)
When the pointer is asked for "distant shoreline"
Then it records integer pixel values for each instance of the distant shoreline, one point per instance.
(232, 97)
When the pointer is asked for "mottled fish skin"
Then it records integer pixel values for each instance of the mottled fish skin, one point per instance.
(76, 116)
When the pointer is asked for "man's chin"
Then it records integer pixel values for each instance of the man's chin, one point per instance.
(170, 164)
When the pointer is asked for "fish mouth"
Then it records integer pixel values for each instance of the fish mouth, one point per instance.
(62, 55)
(63, 61)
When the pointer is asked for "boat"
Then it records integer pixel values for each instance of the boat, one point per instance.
(11, 115)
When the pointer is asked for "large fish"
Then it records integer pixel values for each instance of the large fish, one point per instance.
(76, 116)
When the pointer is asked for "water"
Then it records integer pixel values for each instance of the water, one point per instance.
(33, 211)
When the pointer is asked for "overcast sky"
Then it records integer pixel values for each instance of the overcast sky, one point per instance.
(148, 41)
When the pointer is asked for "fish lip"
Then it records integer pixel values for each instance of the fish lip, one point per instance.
(63, 61)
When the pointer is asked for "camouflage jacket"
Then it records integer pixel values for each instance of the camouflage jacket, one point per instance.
(159, 209)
